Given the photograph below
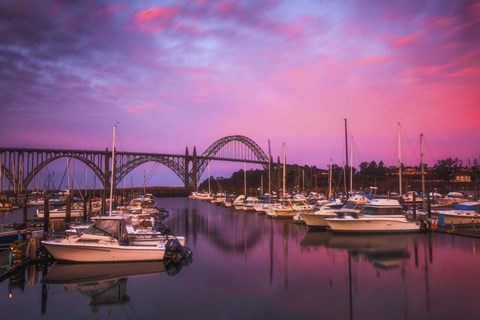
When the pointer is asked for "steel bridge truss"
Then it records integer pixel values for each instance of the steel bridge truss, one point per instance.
(20, 165)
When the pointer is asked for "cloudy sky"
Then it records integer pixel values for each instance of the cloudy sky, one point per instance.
(186, 73)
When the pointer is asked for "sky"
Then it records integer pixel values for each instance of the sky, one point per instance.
(179, 74)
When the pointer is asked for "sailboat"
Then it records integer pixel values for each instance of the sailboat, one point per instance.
(107, 240)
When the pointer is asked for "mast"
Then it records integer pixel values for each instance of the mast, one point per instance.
(269, 171)
(245, 179)
(346, 159)
(261, 185)
(330, 171)
(421, 166)
(351, 165)
(284, 167)
(113, 170)
(399, 161)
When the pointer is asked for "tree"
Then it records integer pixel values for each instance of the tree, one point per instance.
(444, 169)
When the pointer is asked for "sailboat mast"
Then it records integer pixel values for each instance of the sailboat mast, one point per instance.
(330, 179)
(351, 165)
(269, 171)
(421, 165)
(284, 167)
(113, 170)
(346, 159)
(399, 161)
(245, 179)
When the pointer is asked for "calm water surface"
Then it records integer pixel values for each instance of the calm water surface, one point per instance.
(249, 266)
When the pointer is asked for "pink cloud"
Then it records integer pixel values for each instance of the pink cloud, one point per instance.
(406, 40)
(466, 72)
(140, 108)
(155, 19)
(227, 7)
(440, 21)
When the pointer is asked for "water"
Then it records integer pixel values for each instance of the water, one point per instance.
(249, 266)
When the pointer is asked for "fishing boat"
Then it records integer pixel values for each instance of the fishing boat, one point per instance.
(465, 213)
(106, 240)
(379, 216)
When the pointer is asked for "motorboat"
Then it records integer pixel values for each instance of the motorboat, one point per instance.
(316, 219)
(239, 202)
(289, 208)
(465, 213)
(251, 203)
(334, 209)
(379, 216)
(106, 240)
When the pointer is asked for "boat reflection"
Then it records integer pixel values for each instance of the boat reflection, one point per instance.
(106, 283)
(315, 239)
(383, 251)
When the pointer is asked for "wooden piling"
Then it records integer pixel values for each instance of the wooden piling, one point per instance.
(85, 201)
(46, 217)
(414, 205)
(25, 207)
(68, 210)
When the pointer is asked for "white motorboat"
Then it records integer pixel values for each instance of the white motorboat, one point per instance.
(106, 240)
(379, 216)
(316, 219)
(465, 213)
(250, 204)
(239, 202)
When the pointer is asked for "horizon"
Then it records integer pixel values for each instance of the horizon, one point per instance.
(182, 74)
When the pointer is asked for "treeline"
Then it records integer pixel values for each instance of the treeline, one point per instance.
(368, 174)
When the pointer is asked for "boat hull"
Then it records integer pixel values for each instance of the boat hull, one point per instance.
(372, 225)
(74, 252)
(316, 221)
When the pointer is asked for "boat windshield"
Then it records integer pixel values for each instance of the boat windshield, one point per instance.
(349, 206)
(106, 227)
(375, 211)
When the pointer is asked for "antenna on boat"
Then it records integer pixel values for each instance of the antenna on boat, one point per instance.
(113, 168)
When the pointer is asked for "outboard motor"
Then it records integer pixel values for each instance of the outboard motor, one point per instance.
(174, 251)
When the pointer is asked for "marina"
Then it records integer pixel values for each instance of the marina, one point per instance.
(258, 267)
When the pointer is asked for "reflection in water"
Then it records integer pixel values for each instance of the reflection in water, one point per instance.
(106, 283)
(383, 251)
(248, 266)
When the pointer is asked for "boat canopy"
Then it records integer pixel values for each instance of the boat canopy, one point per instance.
(112, 227)
(467, 207)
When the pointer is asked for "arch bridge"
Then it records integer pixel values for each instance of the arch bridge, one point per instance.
(19, 166)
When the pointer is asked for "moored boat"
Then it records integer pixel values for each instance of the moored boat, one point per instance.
(465, 213)
(379, 216)
(106, 240)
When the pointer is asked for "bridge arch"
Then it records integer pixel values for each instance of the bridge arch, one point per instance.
(233, 148)
(97, 171)
(129, 163)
